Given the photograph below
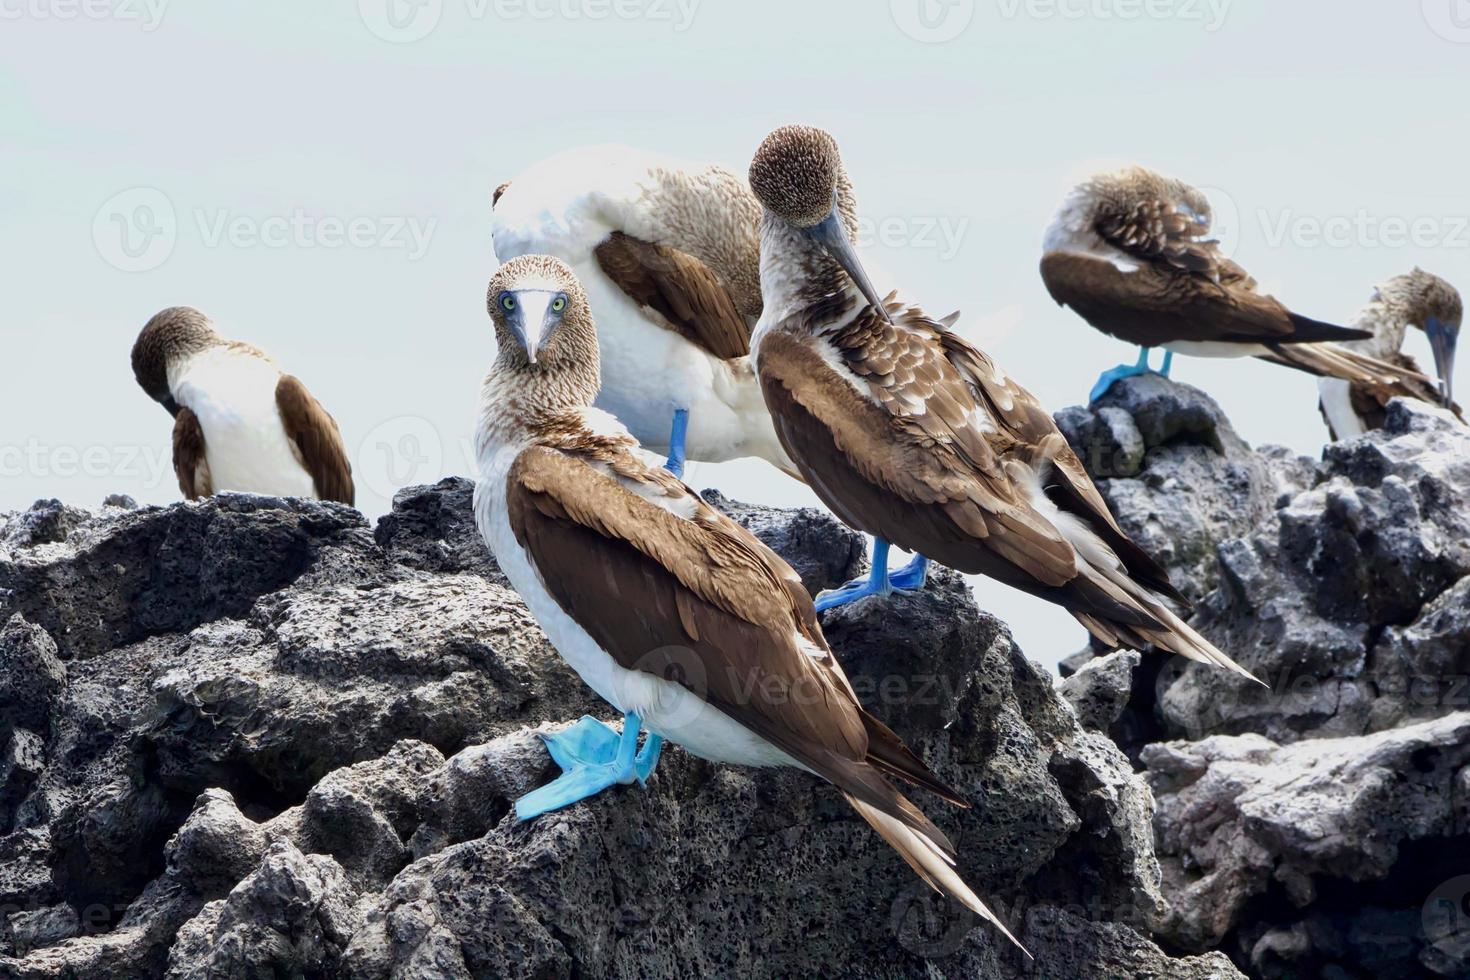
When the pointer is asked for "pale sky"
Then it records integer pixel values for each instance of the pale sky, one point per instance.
(317, 177)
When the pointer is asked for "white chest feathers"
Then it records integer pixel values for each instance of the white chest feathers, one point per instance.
(234, 395)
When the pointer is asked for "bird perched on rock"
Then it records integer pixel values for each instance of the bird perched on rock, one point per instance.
(1130, 252)
(240, 422)
(667, 252)
(919, 438)
(669, 610)
(1416, 299)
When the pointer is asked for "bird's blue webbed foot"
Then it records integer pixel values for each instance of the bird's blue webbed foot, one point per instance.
(678, 434)
(878, 581)
(911, 576)
(1107, 379)
(592, 757)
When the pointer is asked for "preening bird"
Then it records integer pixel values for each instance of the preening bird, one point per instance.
(240, 422)
(1416, 299)
(668, 254)
(912, 434)
(670, 611)
(1130, 252)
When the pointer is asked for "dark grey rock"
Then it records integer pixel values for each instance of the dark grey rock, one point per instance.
(293, 916)
(32, 676)
(1350, 841)
(432, 528)
(824, 551)
(315, 776)
(1100, 688)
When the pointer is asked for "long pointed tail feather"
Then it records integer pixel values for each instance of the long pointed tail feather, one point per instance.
(1332, 361)
(930, 863)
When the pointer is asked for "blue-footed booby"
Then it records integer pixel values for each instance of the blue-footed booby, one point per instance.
(668, 254)
(1130, 252)
(912, 434)
(1416, 299)
(240, 422)
(670, 611)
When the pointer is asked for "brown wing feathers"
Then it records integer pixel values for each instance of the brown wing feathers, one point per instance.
(655, 590)
(316, 439)
(679, 290)
(190, 465)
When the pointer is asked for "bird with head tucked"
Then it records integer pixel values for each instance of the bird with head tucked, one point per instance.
(910, 433)
(240, 422)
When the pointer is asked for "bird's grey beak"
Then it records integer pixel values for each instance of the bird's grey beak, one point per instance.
(831, 234)
(1442, 342)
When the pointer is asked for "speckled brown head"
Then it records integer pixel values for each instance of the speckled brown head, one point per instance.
(1423, 300)
(542, 320)
(171, 334)
(1126, 190)
(795, 173)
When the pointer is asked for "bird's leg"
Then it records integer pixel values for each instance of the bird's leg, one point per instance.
(1111, 377)
(911, 576)
(1168, 363)
(877, 581)
(677, 436)
(592, 757)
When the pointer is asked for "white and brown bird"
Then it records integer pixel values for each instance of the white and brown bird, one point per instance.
(1416, 299)
(912, 434)
(1130, 251)
(670, 611)
(240, 423)
(669, 256)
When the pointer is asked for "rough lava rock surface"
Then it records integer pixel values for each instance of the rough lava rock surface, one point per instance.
(1319, 825)
(255, 737)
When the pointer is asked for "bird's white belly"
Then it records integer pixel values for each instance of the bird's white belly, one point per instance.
(1337, 405)
(245, 443)
(669, 709)
(1215, 348)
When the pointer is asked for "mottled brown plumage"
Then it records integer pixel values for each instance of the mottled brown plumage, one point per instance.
(914, 435)
(190, 466)
(670, 587)
(1130, 252)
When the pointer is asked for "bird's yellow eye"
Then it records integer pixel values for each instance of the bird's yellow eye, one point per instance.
(559, 304)
(507, 302)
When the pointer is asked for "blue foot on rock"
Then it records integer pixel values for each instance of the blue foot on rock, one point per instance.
(1107, 379)
(877, 581)
(592, 758)
(911, 576)
(678, 434)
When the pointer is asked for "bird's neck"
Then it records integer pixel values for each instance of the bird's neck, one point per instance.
(1388, 323)
(523, 403)
(802, 287)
